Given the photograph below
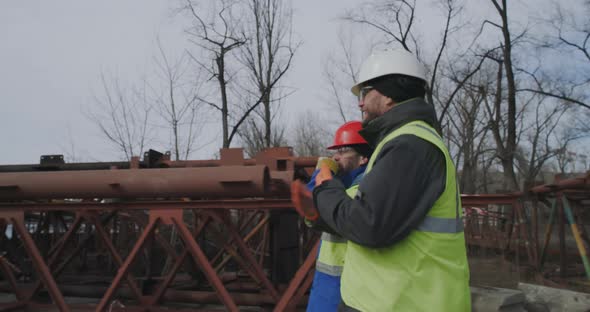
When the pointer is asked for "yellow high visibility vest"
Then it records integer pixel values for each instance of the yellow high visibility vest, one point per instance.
(331, 258)
(426, 271)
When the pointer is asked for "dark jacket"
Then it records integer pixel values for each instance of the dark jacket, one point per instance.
(407, 178)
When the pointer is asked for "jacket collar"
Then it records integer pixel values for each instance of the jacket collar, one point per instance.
(355, 175)
(411, 110)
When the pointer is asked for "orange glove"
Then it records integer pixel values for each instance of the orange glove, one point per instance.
(303, 201)
(324, 175)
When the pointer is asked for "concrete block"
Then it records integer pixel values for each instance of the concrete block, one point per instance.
(493, 299)
(555, 299)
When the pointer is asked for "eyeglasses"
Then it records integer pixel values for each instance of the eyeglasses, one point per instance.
(344, 150)
(364, 91)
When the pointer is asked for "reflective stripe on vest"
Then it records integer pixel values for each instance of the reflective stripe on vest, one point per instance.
(441, 225)
(334, 270)
(333, 249)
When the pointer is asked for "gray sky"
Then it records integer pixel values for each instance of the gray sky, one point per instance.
(53, 52)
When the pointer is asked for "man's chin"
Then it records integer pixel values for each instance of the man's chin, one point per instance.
(367, 117)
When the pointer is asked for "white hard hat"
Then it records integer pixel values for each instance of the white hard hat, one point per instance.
(389, 62)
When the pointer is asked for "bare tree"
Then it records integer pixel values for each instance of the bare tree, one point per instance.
(131, 117)
(123, 116)
(175, 97)
(570, 157)
(451, 9)
(570, 35)
(267, 56)
(69, 147)
(396, 20)
(581, 122)
(504, 122)
(573, 161)
(469, 131)
(340, 73)
(218, 36)
(568, 91)
(525, 130)
(498, 119)
(393, 18)
(542, 140)
(310, 137)
(564, 160)
(254, 138)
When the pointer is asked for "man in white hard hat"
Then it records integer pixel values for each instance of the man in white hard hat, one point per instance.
(406, 248)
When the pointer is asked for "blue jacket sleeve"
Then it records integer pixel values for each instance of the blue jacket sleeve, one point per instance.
(311, 183)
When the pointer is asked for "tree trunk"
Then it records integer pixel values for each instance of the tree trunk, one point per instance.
(267, 120)
(224, 105)
(510, 148)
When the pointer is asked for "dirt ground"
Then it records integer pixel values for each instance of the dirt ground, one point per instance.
(494, 272)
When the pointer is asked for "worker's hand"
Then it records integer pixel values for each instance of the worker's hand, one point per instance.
(325, 173)
(303, 201)
(331, 163)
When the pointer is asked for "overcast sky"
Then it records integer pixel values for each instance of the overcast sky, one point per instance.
(53, 52)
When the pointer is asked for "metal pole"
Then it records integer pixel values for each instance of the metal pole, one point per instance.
(548, 230)
(579, 242)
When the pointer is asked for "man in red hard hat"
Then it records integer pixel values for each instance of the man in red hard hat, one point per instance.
(348, 163)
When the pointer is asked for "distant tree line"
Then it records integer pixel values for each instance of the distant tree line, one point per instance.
(513, 98)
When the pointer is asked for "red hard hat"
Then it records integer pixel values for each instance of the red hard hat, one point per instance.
(348, 134)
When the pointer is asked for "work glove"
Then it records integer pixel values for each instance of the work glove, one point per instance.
(326, 166)
(331, 163)
(303, 201)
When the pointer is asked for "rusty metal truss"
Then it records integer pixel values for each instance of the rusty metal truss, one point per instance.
(156, 234)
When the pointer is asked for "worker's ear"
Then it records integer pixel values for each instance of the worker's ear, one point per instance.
(389, 102)
(364, 160)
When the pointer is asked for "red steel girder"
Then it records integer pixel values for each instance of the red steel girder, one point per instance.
(297, 162)
(8, 275)
(249, 258)
(192, 247)
(17, 220)
(226, 181)
(279, 157)
(567, 184)
(490, 199)
(298, 280)
(269, 204)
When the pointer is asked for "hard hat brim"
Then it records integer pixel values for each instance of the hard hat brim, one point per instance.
(389, 62)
